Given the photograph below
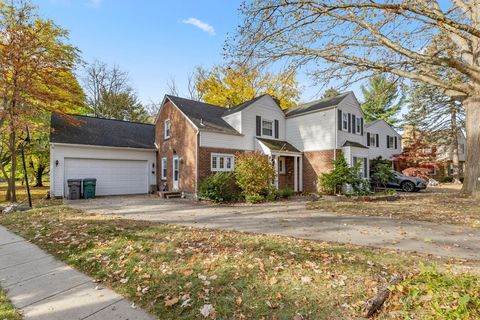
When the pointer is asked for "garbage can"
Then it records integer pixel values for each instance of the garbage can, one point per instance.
(89, 185)
(74, 186)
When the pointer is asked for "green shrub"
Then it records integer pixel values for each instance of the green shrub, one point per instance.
(381, 172)
(361, 186)
(254, 198)
(219, 187)
(286, 193)
(254, 174)
(332, 182)
(272, 196)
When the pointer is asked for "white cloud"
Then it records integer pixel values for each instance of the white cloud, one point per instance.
(201, 25)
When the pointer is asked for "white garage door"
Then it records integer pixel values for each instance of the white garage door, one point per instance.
(114, 177)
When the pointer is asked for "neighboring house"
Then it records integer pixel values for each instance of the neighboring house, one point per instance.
(445, 155)
(436, 156)
(382, 140)
(193, 139)
(120, 155)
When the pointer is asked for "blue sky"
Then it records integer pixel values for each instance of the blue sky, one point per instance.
(151, 40)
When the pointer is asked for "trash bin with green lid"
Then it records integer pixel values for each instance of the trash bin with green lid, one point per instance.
(74, 189)
(89, 185)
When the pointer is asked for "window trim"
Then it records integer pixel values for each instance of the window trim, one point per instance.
(272, 128)
(164, 168)
(217, 157)
(165, 135)
(358, 125)
(391, 143)
(374, 142)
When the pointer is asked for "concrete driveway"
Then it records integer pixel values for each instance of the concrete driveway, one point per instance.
(290, 218)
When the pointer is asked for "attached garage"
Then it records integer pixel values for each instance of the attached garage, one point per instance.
(120, 155)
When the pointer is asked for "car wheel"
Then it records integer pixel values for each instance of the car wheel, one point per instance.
(408, 186)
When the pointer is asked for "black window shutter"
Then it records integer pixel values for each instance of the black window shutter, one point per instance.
(365, 168)
(377, 140)
(349, 122)
(361, 122)
(388, 141)
(276, 129)
(354, 120)
(368, 139)
(259, 126)
(339, 119)
(396, 142)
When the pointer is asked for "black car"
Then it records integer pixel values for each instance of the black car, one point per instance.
(407, 184)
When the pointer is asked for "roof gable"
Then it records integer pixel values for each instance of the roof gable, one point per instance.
(248, 103)
(101, 132)
(380, 125)
(204, 116)
(318, 105)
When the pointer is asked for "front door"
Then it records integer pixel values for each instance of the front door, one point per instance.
(176, 173)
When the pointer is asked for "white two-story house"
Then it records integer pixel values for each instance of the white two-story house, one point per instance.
(195, 139)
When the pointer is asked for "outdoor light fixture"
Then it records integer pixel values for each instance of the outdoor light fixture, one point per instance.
(56, 163)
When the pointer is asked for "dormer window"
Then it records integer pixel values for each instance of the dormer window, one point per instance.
(166, 129)
(267, 128)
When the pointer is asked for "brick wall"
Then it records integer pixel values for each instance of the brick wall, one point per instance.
(182, 142)
(315, 163)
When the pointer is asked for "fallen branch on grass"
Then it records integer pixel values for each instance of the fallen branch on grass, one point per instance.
(374, 304)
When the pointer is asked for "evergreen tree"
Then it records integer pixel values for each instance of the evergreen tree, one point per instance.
(383, 100)
(437, 116)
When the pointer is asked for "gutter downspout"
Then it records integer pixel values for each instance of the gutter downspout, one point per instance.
(196, 163)
(336, 134)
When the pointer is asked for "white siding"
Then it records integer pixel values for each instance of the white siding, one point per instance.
(446, 153)
(312, 131)
(383, 129)
(220, 140)
(235, 120)
(350, 105)
(265, 107)
(59, 152)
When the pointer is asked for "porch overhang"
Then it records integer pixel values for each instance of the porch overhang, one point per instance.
(275, 149)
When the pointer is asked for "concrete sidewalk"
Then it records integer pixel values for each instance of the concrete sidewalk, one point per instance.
(42, 287)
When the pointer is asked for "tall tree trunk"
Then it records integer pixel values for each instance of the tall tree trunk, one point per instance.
(472, 167)
(455, 156)
(39, 175)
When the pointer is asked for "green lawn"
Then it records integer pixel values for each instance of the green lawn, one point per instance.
(175, 271)
(7, 310)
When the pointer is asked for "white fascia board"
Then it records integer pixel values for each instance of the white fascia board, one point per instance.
(100, 147)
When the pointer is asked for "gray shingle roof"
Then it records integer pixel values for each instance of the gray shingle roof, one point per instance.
(316, 105)
(354, 144)
(206, 117)
(278, 145)
(101, 132)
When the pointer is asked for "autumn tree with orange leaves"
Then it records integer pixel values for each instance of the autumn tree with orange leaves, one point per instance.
(36, 78)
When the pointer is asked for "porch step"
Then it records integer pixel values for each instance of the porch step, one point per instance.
(169, 194)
